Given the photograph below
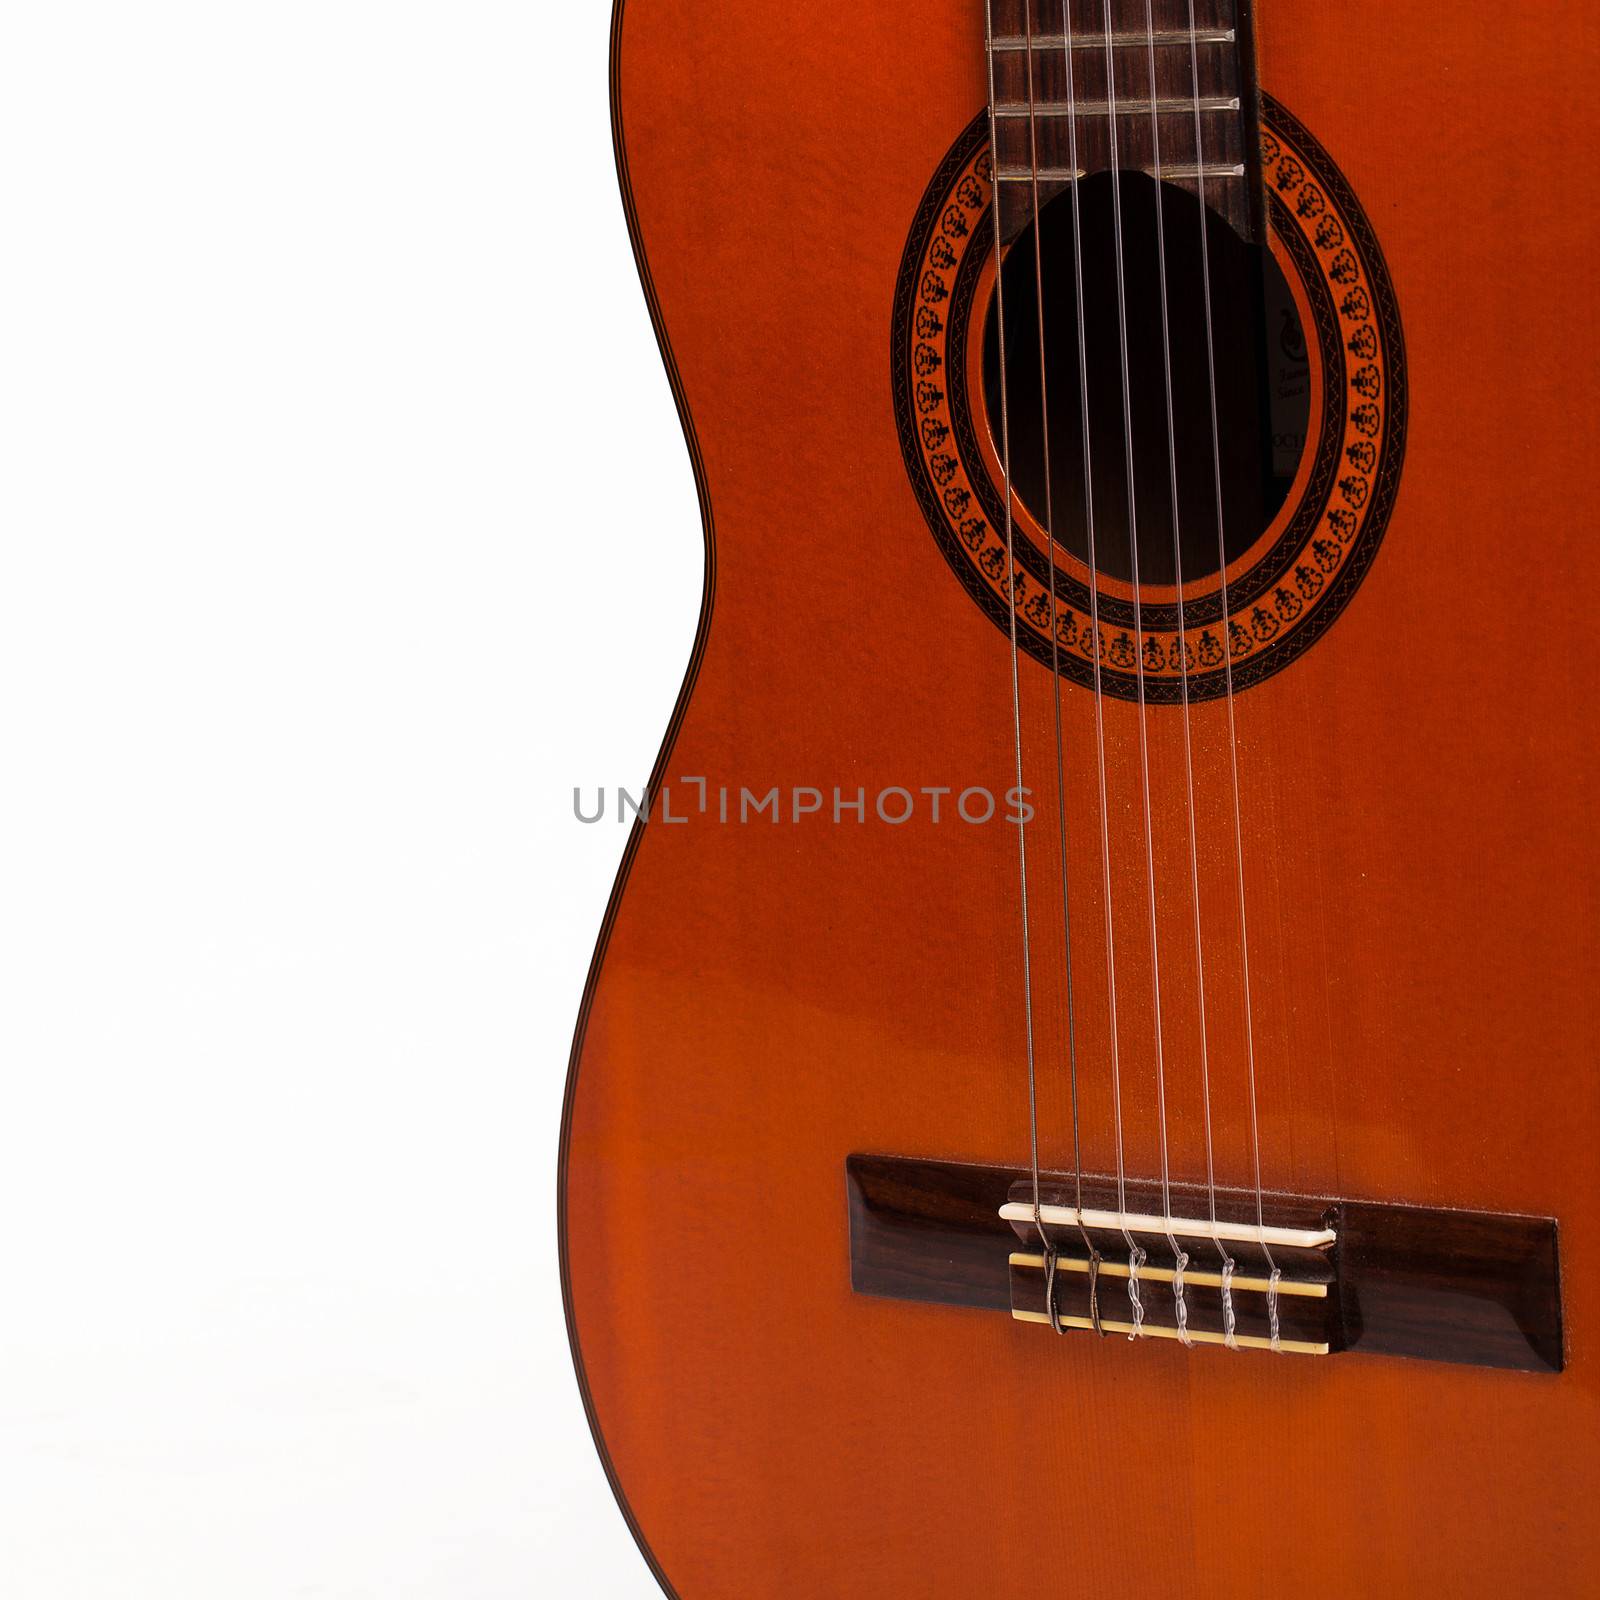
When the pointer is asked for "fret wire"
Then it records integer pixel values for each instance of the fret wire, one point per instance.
(1067, 174)
(1119, 41)
(1125, 108)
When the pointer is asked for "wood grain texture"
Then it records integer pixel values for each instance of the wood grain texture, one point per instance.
(1418, 792)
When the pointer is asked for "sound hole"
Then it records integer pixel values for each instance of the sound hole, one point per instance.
(1262, 381)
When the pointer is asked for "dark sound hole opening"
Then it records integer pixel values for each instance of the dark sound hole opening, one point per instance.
(1262, 377)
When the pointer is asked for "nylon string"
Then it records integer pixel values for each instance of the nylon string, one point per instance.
(1011, 595)
(1136, 1254)
(1075, 165)
(1055, 676)
(1273, 1274)
(1180, 1257)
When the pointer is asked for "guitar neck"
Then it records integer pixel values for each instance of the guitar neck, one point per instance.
(1122, 85)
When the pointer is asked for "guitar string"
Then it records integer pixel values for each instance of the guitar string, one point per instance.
(1274, 1275)
(1180, 1257)
(1096, 654)
(1136, 1254)
(1091, 1250)
(1011, 595)
(1055, 679)
(1229, 1317)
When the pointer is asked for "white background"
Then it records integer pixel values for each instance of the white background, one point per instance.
(336, 460)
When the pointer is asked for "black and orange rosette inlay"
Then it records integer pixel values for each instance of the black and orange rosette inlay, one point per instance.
(1287, 589)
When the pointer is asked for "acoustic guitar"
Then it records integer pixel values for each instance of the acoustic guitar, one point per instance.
(1088, 1081)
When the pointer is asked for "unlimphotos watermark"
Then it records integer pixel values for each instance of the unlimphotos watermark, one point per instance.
(894, 805)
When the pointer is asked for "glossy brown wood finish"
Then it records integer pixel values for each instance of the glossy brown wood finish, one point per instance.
(929, 1231)
(1418, 794)
(1406, 1281)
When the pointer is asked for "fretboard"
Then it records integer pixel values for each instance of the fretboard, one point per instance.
(1069, 100)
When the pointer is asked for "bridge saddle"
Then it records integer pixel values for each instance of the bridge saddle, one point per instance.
(1214, 1280)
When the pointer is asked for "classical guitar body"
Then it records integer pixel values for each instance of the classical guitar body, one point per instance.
(1088, 1081)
